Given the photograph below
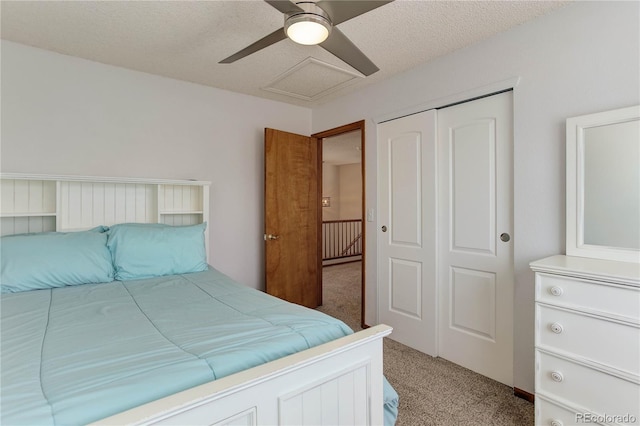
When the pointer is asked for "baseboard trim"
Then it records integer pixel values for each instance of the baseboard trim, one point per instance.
(524, 395)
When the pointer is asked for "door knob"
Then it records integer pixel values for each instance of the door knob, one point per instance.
(504, 237)
(271, 237)
(384, 228)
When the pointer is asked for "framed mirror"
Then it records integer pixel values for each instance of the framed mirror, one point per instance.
(603, 185)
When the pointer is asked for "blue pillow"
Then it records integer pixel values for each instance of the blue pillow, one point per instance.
(141, 250)
(54, 259)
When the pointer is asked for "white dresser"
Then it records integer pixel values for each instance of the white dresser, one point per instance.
(587, 341)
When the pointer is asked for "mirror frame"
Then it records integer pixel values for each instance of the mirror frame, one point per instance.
(575, 185)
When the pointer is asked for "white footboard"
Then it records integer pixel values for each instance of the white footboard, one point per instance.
(337, 383)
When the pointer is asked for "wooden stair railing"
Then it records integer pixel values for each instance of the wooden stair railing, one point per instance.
(351, 244)
(341, 238)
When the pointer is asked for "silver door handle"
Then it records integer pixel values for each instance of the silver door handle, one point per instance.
(384, 228)
(504, 237)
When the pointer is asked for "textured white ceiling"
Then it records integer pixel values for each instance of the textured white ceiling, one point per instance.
(186, 39)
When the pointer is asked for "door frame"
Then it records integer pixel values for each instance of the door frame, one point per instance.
(358, 125)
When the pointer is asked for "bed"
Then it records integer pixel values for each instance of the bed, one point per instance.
(121, 320)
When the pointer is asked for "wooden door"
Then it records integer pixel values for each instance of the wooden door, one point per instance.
(292, 215)
(407, 244)
(475, 146)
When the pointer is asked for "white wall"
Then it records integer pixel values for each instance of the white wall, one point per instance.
(331, 188)
(343, 183)
(350, 191)
(581, 59)
(63, 115)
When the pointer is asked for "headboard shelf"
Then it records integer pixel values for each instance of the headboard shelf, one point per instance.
(94, 179)
(27, 214)
(44, 203)
(180, 212)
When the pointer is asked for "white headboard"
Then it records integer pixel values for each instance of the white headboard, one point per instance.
(41, 203)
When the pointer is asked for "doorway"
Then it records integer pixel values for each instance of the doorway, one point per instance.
(343, 230)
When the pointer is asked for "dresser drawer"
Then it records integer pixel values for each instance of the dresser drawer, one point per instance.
(581, 386)
(614, 344)
(594, 296)
(550, 414)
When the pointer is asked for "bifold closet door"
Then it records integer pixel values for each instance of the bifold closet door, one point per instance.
(475, 270)
(407, 230)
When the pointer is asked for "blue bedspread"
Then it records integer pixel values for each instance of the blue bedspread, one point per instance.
(78, 354)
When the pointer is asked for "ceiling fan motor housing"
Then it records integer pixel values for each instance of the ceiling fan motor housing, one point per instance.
(310, 13)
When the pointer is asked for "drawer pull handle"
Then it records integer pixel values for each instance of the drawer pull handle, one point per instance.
(556, 328)
(557, 376)
(555, 422)
(556, 291)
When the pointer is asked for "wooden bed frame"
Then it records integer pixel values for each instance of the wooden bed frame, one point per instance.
(339, 382)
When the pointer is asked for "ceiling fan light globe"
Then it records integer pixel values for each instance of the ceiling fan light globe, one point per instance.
(307, 32)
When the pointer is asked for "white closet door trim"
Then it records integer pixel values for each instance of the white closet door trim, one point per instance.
(463, 96)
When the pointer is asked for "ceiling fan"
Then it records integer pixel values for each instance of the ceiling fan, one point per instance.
(308, 22)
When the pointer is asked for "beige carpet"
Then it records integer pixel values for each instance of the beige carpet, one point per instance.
(432, 391)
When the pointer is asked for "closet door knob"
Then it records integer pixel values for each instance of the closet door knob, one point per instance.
(556, 422)
(504, 237)
(384, 228)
